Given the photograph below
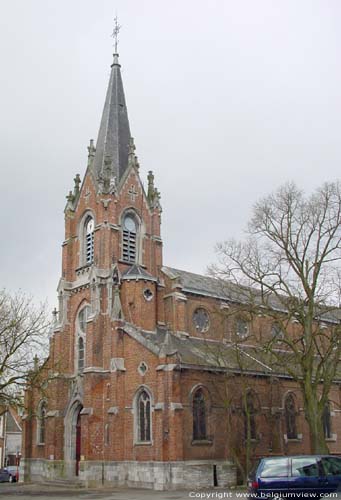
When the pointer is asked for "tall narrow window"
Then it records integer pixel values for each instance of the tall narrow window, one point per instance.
(199, 416)
(129, 238)
(250, 417)
(81, 327)
(144, 417)
(290, 417)
(41, 422)
(89, 240)
(80, 354)
(326, 421)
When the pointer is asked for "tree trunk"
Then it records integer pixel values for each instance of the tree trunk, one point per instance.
(313, 415)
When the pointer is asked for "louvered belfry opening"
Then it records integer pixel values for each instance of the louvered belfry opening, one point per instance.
(129, 238)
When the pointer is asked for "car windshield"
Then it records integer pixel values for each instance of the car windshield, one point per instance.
(332, 466)
(304, 466)
(275, 467)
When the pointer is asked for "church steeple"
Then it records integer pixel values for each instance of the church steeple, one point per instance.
(112, 148)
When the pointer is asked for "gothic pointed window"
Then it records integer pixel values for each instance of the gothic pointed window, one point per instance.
(290, 417)
(326, 421)
(89, 240)
(143, 408)
(129, 237)
(42, 410)
(80, 354)
(250, 430)
(199, 416)
(81, 329)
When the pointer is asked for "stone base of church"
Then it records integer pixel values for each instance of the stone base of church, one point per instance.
(193, 474)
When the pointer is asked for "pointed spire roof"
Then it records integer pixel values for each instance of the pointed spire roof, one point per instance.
(112, 148)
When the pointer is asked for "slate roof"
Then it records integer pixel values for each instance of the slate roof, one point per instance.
(205, 285)
(230, 292)
(11, 424)
(114, 132)
(196, 353)
(136, 272)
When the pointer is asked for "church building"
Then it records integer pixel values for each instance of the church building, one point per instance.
(144, 383)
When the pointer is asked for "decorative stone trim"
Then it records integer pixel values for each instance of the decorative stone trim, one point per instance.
(142, 368)
(298, 439)
(332, 439)
(166, 368)
(176, 406)
(113, 410)
(181, 334)
(202, 442)
(117, 365)
(53, 413)
(87, 411)
(95, 369)
(177, 296)
(159, 406)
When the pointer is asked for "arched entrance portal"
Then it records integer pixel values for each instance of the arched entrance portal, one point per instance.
(73, 438)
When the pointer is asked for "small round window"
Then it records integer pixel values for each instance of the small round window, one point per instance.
(201, 320)
(129, 224)
(148, 294)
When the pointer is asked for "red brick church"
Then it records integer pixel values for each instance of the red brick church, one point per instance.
(144, 381)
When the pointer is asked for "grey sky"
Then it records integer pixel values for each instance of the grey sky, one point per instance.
(226, 100)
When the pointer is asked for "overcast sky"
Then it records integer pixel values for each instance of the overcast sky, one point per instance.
(227, 100)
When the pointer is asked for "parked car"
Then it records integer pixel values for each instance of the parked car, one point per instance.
(6, 476)
(14, 471)
(301, 476)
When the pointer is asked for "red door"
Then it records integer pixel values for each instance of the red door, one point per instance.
(78, 443)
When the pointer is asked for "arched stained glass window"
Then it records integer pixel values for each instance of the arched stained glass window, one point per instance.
(199, 416)
(143, 417)
(42, 410)
(290, 417)
(81, 354)
(250, 417)
(326, 421)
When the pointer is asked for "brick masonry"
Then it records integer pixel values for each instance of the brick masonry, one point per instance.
(101, 398)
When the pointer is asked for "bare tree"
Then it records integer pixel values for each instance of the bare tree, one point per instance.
(288, 268)
(23, 336)
(236, 390)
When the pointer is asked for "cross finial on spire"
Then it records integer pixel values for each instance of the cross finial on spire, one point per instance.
(115, 33)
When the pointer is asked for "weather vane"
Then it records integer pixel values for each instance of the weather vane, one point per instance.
(115, 33)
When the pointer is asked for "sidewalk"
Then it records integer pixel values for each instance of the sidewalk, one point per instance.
(50, 492)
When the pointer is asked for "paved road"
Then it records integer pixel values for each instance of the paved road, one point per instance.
(44, 492)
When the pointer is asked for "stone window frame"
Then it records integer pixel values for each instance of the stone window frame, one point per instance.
(130, 211)
(277, 332)
(136, 412)
(41, 422)
(290, 396)
(330, 436)
(84, 220)
(254, 436)
(196, 310)
(237, 322)
(207, 439)
(80, 334)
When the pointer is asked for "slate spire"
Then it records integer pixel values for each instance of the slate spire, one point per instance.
(113, 140)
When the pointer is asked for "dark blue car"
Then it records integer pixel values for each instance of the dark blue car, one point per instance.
(305, 476)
